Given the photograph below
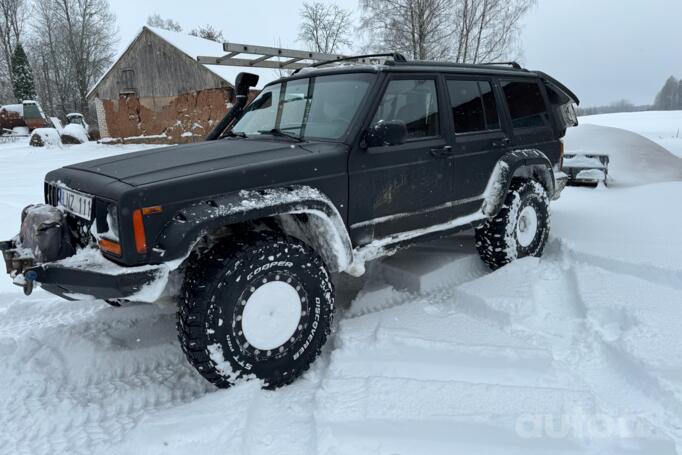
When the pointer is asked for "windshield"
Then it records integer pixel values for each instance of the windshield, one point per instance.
(319, 107)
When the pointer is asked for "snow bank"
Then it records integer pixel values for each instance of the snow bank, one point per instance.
(662, 127)
(635, 160)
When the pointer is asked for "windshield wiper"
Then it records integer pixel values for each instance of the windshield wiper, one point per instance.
(233, 134)
(279, 133)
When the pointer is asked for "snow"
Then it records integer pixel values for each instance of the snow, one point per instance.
(582, 161)
(662, 127)
(76, 132)
(575, 353)
(634, 159)
(49, 136)
(194, 47)
(14, 108)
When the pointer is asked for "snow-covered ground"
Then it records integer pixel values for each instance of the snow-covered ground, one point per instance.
(662, 127)
(578, 352)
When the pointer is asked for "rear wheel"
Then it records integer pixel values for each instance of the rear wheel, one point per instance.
(260, 307)
(520, 229)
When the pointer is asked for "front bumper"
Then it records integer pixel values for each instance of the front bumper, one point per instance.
(87, 275)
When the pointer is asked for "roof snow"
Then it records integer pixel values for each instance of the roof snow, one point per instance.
(16, 108)
(193, 47)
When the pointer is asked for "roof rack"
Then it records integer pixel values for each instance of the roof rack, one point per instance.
(250, 56)
(269, 57)
(367, 58)
(514, 65)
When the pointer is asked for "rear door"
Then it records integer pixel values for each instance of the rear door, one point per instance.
(527, 105)
(479, 137)
(401, 188)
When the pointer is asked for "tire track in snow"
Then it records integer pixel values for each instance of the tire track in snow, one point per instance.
(657, 275)
(618, 379)
(76, 382)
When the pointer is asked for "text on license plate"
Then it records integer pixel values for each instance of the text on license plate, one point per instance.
(76, 203)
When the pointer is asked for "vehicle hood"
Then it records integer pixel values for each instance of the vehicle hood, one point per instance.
(167, 163)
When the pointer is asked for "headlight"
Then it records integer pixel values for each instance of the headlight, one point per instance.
(112, 222)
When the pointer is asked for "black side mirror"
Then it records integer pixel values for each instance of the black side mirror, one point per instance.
(393, 132)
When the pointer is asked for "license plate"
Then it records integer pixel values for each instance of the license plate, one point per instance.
(76, 203)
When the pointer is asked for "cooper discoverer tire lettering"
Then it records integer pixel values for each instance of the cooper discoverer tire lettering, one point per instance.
(257, 307)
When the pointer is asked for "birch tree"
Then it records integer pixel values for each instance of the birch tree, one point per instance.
(325, 27)
(420, 29)
(13, 14)
(487, 30)
(73, 44)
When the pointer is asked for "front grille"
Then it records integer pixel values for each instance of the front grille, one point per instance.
(79, 228)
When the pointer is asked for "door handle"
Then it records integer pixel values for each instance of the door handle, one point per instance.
(442, 152)
(502, 143)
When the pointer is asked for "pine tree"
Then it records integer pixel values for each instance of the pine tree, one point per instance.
(668, 98)
(22, 75)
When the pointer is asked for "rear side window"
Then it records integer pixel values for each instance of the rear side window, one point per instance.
(414, 102)
(526, 104)
(473, 106)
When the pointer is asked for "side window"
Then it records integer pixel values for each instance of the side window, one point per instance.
(526, 104)
(414, 102)
(473, 105)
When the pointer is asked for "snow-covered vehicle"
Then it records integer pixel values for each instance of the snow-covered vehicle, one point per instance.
(75, 118)
(326, 169)
(586, 169)
(19, 120)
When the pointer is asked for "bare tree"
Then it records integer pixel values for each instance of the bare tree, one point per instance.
(422, 29)
(325, 27)
(208, 32)
(487, 30)
(155, 20)
(13, 15)
(73, 44)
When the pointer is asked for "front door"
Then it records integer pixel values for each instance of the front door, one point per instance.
(401, 188)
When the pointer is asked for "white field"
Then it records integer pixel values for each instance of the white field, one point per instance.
(575, 353)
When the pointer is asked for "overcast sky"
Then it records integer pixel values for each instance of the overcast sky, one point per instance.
(605, 50)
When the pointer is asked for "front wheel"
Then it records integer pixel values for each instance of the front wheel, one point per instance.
(520, 229)
(259, 307)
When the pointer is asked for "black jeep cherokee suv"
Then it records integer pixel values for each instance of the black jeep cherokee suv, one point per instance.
(323, 171)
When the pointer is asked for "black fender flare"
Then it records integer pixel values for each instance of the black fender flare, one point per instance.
(527, 163)
(329, 237)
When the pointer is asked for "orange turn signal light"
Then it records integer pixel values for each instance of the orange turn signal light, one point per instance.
(110, 247)
(138, 230)
(152, 210)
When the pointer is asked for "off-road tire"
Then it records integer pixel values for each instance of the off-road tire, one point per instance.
(217, 283)
(497, 240)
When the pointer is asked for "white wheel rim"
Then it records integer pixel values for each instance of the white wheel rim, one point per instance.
(527, 226)
(271, 315)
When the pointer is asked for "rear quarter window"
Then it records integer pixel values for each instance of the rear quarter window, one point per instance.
(526, 104)
(474, 108)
